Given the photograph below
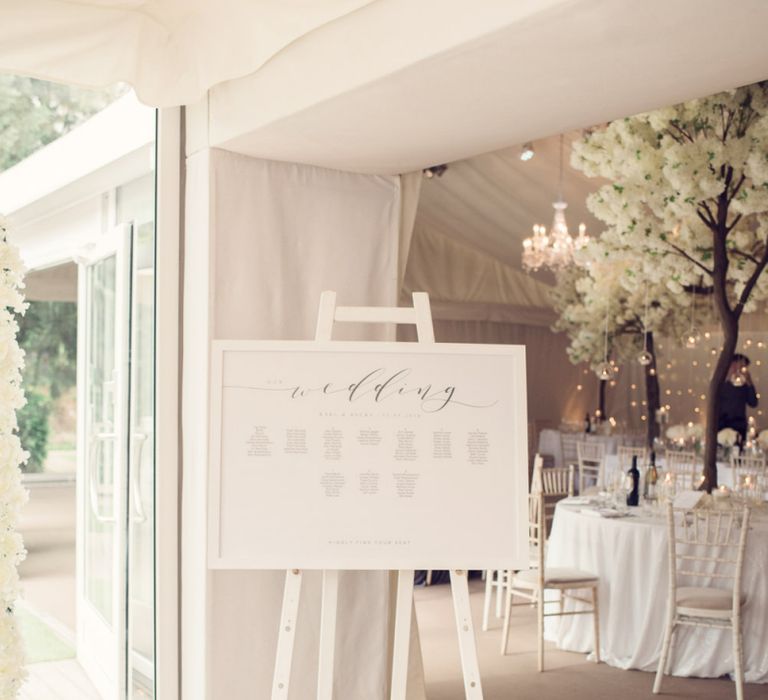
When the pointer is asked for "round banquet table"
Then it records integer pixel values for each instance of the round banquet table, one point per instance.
(629, 555)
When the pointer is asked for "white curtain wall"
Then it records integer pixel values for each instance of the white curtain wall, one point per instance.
(278, 235)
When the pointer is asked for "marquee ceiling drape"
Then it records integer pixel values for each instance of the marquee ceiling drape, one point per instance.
(170, 51)
(391, 86)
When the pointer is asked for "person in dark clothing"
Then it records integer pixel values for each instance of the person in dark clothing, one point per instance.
(736, 394)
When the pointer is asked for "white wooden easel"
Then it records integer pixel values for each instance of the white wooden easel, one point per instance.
(421, 316)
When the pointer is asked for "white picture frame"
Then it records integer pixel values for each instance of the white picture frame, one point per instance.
(362, 455)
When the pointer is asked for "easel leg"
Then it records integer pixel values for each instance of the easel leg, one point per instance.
(402, 638)
(327, 634)
(487, 598)
(286, 637)
(499, 590)
(467, 648)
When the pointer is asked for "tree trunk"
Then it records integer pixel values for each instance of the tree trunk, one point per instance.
(601, 398)
(729, 323)
(652, 395)
(731, 336)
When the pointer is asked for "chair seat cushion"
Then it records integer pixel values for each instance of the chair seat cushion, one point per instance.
(554, 576)
(705, 602)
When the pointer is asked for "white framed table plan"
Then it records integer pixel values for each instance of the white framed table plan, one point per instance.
(367, 455)
(349, 446)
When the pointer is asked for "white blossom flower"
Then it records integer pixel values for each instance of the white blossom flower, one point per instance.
(677, 432)
(12, 494)
(727, 437)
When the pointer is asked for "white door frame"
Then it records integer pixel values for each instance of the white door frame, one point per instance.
(167, 370)
(101, 650)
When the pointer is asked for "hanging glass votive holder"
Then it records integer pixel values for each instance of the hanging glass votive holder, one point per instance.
(645, 358)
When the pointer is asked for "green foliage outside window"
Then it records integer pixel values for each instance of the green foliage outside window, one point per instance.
(33, 430)
(35, 112)
(48, 336)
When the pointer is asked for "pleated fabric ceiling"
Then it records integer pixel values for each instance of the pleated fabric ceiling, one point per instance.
(170, 51)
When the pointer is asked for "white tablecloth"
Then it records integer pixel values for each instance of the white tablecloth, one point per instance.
(630, 557)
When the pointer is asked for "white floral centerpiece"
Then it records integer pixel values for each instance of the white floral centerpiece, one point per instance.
(762, 439)
(12, 494)
(727, 437)
(677, 433)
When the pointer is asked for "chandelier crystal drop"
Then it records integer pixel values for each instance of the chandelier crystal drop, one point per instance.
(554, 249)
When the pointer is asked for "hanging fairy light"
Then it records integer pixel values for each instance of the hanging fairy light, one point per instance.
(604, 370)
(645, 358)
(692, 337)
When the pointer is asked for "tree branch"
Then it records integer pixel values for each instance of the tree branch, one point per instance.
(699, 289)
(737, 187)
(746, 256)
(751, 282)
(710, 222)
(735, 221)
(683, 133)
(688, 257)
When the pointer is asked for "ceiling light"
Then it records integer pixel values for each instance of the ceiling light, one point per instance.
(527, 152)
(435, 171)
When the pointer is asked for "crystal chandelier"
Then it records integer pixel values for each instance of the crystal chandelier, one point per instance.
(554, 249)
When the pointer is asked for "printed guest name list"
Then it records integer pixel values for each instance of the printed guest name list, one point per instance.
(353, 449)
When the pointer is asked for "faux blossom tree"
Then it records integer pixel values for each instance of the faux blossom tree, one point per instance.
(688, 188)
(608, 284)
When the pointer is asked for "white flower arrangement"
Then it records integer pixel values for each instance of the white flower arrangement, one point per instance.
(762, 439)
(677, 432)
(695, 431)
(727, 437)
(12, 494)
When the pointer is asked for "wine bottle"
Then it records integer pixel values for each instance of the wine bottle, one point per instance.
(651, 479)
(587, 424)
(633, 497)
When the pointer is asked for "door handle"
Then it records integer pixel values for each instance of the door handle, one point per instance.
(139, 516)
(93, 486)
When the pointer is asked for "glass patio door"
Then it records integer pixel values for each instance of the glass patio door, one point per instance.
(103, 460)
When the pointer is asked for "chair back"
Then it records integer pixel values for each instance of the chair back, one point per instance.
(750, 476)
(537, 528)
(591, 463)
(568, 447)
(625, 454)
(682, 465)
(706, 548)
(553, 481)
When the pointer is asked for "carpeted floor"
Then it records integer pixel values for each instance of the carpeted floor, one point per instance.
(42, 642)
(568, 676)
